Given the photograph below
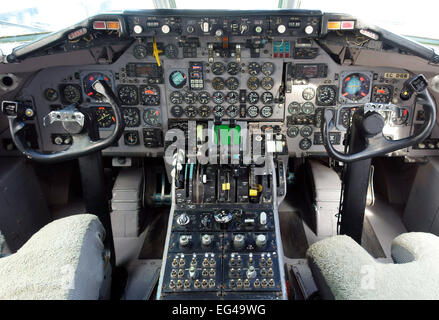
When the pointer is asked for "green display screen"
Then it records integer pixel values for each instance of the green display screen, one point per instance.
(225, 135)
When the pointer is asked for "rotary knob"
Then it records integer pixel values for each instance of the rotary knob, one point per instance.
(183, 219)
(261, 240)
(238, 241)
(281, 28)
(184, 240)
(309, 29)
(166, 29)
(138, 29)
(251, 272)
(206, 239)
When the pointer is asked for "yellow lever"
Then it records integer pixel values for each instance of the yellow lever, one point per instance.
(156, 51)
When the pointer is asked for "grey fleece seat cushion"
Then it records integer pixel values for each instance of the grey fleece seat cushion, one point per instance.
(344, 270)
(63, 260)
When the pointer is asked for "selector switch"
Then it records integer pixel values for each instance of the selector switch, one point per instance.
(251, 272)
(238, 241)
(183, 219)
(184, 240)
(206, 239)
(261, 240)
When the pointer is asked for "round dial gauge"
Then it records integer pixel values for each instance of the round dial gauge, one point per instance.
(176, 97)
(218, 111)
(306, 131)
(218, 68)
(190, 97)
(382, 93)
(254, 68)
(204, 111)
(177, 79)
(131, 138)
(253, 83)
(267, 83)
(128, 95)
(345, 117)
(88, 82)
(233, 68)
(190, 111)
(307, 108)
(305, 144)
(218, 97)
(232, 97)
(292, 131)
(268, 68)
(171, 51)
(131, 117)
(326, 95)
(267, 97)
(355, 87)
(140, 51)
(218, 83)
(253, 97)
(50, 94)
(105, 117)
(232, 83)
(177, 111)
(71, 93)
(151, 117)
(149, 95)
(203, 97)
(266, 111)
(232, 111)
(294, 108)
(318, 117)
(308, 93)
(253, 111)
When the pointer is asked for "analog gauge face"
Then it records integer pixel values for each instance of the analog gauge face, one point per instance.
(204, 111)
(71, 93)
(294, 108)
(203, 97)
(268, 68)
(149, 95)
(88, 82)
(318, 117)
(151, 116)
(171, 51)
(51, 94)
(305, 144)
(232, 111)
(218, 83)
(232, 83)
(326, 95)
(233, 68)
(232, 97)
(254, 68)
(253, 83)
(345, 117)
(191, 111)
(131, 138)
(253, 97)
(253, 111)
(266, 111)
(190, 97)
(306, 131)
(292, 131)
(131, 117)
(308, 93)
(401, 116)
(218, 97)
(267, 97)
(127, 95)
(105, 117)
(140, 51)
(218, 111)
(382, 93)
(176, 97)
(355, 87)
(307, 108)
(177, 111)
(218, 68)
(177, 79)
(267, 83)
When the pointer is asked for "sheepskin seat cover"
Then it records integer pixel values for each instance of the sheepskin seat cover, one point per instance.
(62, 261)
(343, 270)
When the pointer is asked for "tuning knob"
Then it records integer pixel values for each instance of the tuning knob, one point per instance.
(251, 272)
(183, 219)
(184, 240)
(281, 28)
(206, 239)
(239, 241)
(166, 29)
(261, 240)
(138, 29)
(309, 29)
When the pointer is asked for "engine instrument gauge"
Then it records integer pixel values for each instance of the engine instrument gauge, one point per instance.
(149, 95)
(191, 111)
(50, 94)
(127, 94)
(266, 111)
(308, 93)
(253, 111)
(177, 79)
(293, 131)
(171, 51)
(382, 93)
(306, 131)
(232, 111)
(355, 87)
(267, 83)
(105, 117)
(177, 111)
(253, 97)
(268, 68)
(318, 117)
(305, 144)
(190, 97)
(204, 97)
(140, 51)
(176, 97)
(88, 82)
(131, 117)
(294, 108)
(232, 97)
(71, 93)
(233, 68)
(253, 83)
(326, 95)
(204, 111)
(232, 83)
(218, 68)
(218, 83)
(131, 138)
(267, 97)
(307, 108)
(254, 68)
(218, 97)
(151, 116)
(218, 111)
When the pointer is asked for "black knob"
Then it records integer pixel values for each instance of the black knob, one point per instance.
(373, 123)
